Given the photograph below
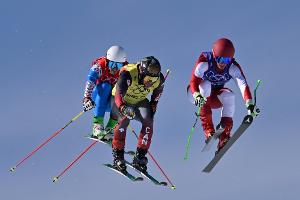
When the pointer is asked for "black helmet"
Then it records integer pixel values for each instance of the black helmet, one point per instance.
(150, 66)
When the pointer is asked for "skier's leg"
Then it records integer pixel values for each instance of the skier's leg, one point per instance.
(206, 120)
(205, 88)
(120, 129)
(118, 143)
(206, 113)
(98, 119)
(227, 99)
(145, 116)
(101, 96)
(105, 102)
(109, 129)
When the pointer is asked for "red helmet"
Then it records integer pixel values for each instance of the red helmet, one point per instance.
(223, 47)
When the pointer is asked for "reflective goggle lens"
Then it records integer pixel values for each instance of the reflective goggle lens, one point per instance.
(112, 65)
(224, 60)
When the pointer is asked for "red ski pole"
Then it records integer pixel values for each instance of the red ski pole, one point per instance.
(162, 171)
(55, 179)
(45, 142)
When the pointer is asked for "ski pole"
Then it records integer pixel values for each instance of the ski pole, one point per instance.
(132, 130)
(257, 111)
(164, 174)
(258, 82)
(55, 179)
(45, 142)
(187, 149)
(167, 74)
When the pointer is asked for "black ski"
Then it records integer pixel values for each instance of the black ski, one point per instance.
(247, 121)
(147, 175)
(109, 143)
(126, 174)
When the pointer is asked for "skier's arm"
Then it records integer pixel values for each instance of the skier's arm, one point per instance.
(157, 92)
(122, 85)
(197, 74)
(94, 74)
(238, 76)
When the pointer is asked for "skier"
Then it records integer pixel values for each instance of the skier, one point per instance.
(130, 102)
(101, 78)
(212, 70)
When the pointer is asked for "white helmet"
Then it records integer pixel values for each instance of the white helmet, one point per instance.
(116, 54)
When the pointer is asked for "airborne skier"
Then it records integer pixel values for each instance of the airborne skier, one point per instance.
(211, 72)
(130, 102)
(101, 79)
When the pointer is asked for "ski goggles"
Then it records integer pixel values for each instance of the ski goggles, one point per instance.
(225, 60)
(115, 65)
(151, 79)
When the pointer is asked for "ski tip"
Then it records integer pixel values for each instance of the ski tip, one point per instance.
(206, 170)
(55, 179)
(12, 169)
(139, 179)
(173, 187)
(164, 183)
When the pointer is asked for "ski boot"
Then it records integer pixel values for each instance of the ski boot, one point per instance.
(98, 130)
(108, 134)
(216, 134)
(208, 137)
(208, 127)
(227, 123)
(119, 162)
(140, 160)
(221, 144)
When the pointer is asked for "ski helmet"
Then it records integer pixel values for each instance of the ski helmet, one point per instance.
(116, 54)
(223, 47)
(150, 66)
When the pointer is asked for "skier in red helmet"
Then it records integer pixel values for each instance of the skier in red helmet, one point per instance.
(211, 72)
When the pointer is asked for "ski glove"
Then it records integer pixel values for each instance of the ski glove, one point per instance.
(127, 111)
(88, 104)
(199, 99)
(252, 110)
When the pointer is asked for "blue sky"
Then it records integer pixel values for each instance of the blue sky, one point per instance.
(46, 50)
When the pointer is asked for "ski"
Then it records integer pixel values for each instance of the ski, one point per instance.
(127, 174)
(247, 121)
(146, 175)
(212, 139)
(109, 143)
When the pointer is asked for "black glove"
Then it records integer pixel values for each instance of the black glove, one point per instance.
(88, 104)
(199, 99)
(127, 111)
(253, 110)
